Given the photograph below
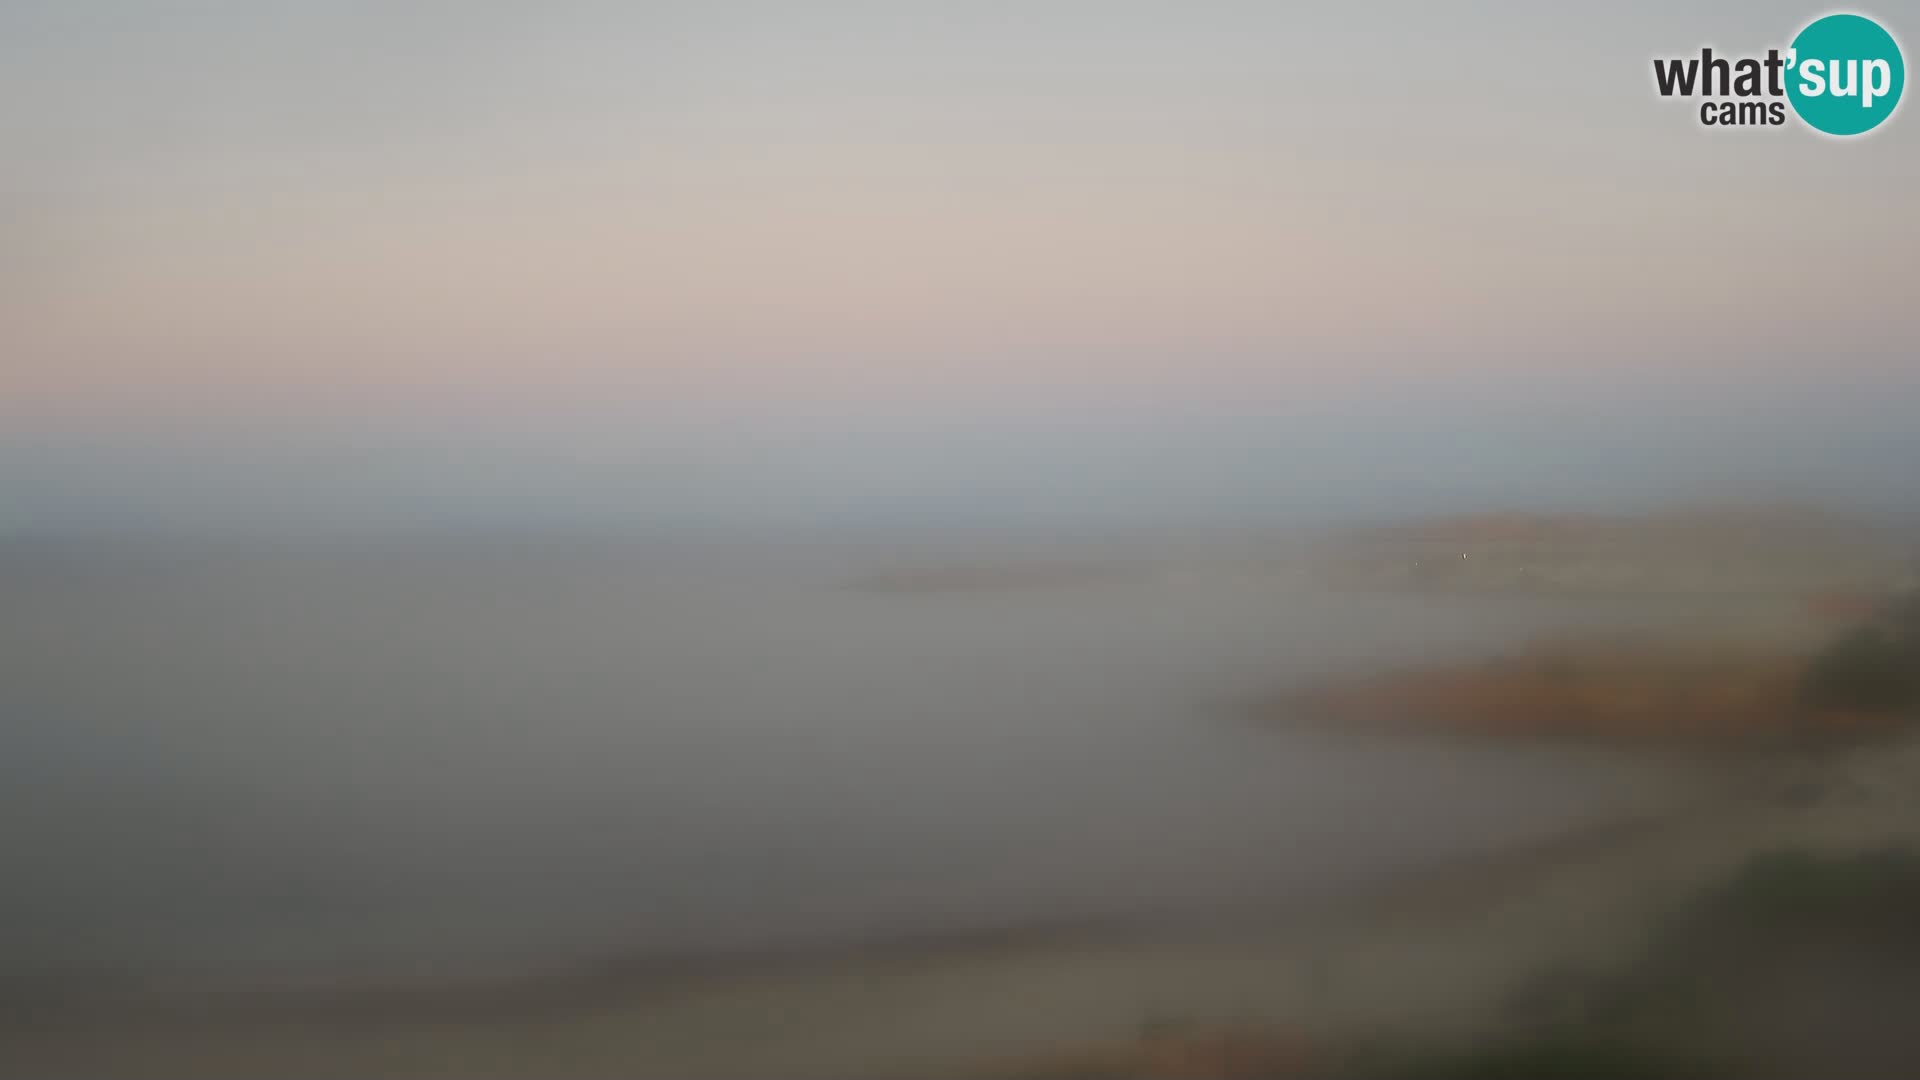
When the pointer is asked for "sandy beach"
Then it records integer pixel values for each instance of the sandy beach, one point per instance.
(1438, 952)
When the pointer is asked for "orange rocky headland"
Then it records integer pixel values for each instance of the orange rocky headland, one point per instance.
(1609, 690)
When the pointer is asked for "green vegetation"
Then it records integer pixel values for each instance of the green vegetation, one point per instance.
(1874, 668)
(1724, 987)
(1794, 890)
(1566, 1055)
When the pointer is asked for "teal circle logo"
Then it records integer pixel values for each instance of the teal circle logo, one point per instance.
(1845, 74)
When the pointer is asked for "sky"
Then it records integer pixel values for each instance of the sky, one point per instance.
(318, 260)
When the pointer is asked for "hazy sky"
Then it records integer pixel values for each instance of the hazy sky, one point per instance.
(709, 242)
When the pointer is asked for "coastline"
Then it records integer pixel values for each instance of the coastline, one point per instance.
(1435, 951)
(1432, 951)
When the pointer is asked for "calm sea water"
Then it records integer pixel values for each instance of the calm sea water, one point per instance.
(367, 764)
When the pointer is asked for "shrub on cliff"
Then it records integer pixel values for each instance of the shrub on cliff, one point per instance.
(1872, 668)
